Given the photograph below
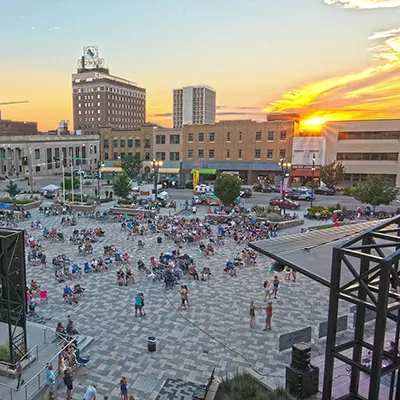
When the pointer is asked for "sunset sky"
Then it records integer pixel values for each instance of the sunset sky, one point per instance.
(326, 59)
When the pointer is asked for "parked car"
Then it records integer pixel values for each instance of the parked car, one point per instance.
(246, 193)
(286, 203)
(263, 188)
(300, 194)
(325, 190)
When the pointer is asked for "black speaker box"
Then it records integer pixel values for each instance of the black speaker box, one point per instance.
(302, 384)
(301, 356)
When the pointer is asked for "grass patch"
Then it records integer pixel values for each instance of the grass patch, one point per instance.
(10, 200)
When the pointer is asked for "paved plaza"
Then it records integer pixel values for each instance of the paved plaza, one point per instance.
(213, 332)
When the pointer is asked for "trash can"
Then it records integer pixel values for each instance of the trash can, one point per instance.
(151, 344)
(159, 240)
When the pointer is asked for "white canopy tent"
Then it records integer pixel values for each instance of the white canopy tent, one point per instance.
(50, 188)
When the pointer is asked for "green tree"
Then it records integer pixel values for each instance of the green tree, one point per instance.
(227, 189)
(12, 189)
(132, 165)
(375, 191)
(332, 174)
(71, 181)
(122, 185)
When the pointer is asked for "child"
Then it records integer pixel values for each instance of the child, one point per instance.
(267, 290)
(288, 273)
(124, 388)
(252, 314)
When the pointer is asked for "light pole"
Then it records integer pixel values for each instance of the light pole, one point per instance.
(99, 165)
(285, 171)
(156, 166)
(312, 178)
(30, 166)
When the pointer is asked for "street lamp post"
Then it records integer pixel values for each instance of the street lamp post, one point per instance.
(156, 166)
(99, 165)
(285, 170)
(312, 179)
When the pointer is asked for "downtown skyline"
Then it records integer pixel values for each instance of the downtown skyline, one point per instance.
(324, 59)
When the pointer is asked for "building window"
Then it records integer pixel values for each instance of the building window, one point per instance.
(386, 135)
(258, 136)
(228, 154)
(190, 137)
(147, 143)
(137, 143)
(122, 143)
(115, 143)
(270, 153)
(367, 156)
(174, 139)
(228, 136)
(160, 155)
(283, 135)
(201, 153)
(147, 156)
(240, 154)
(240, 136)
(201, 137)
(106, 155)
(130, 143)
(49, 159)
(271, 136)
(257, 154)
(211, 153)
(282, 153)
(190, 153)
(115, 156)
(174, 156)
(37, 154)
(160, 139)
(211, 137)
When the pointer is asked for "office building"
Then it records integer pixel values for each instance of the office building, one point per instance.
(8, 127)
(101, 99)
(193, 105)
(246, 148)
(368, 147)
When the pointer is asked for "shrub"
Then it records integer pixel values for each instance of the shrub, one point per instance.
(259, 211)
(337, 206)
(273, 217)
(322, 210)
(126, 202)
(5, 354)
(349, 191)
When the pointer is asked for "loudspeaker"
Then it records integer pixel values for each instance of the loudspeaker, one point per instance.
(301, 356)
(302, 384)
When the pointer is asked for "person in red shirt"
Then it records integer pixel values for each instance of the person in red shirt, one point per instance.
(268, 316)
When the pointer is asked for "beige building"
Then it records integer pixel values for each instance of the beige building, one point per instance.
(247, 148)
(167, 146)
(365, 148)
(46, 152)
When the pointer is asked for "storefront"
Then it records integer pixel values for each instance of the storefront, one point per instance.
(302, 174)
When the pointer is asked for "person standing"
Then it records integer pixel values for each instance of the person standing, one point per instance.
(267, 290)
(275, 286)
(68, 381)
(268, 316)
(18, 370)
(138, 305)
(253, 309)
(50, 380)
(123, 385)
(91, 392)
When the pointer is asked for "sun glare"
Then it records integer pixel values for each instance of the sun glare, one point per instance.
(313, 123)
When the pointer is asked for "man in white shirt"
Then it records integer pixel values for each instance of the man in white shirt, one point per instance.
(90, 392)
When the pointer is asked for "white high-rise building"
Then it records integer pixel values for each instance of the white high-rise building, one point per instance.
(193, 105)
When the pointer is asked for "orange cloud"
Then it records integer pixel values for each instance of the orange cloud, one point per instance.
(364, 4)
(370, 93)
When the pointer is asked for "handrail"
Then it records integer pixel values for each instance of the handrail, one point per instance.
(37, 375)
(36, 347)
(47, 328)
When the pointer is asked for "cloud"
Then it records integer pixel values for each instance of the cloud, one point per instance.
(364, 4)
(162, 115)
(370, 93)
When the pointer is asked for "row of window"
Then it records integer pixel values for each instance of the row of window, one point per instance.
(367, 156)
(258, 136)
(173, 139)
(121, 156)
(257, 154)
(128, 142)
(390, 178)
(108, 89)
(385, 135)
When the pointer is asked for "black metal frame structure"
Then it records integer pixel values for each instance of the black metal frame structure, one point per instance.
(13, 290)
(372, 258)
(376, 278)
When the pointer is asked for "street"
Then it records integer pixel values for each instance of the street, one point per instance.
(180, 195)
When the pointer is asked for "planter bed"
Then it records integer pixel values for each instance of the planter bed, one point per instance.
(84, 207)
(132, 211)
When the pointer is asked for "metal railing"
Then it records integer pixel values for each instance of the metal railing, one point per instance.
(54, 332)
(13, 366)
(36, 381)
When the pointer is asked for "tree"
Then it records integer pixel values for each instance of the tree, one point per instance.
(227, 188)
(71, 181)
(12, 188)
(375, 191)
(332, 174)
(132, 165)
(122, 185)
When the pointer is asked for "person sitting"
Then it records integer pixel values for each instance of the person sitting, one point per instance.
(76, 271)
(129, 276)
(205, 274)
(70, 328)
(78, 290)
(202, 247)
(210, 249)
(35, 289)
(193, 272)
(230, 268)
(69, 294)
(141, 266)
(140, 244)
(121, 278)
(59, 275)
(61, 330)
(32, 306)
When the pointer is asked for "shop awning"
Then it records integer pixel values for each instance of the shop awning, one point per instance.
(110, 169)
(169, 170)
(206, 171)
